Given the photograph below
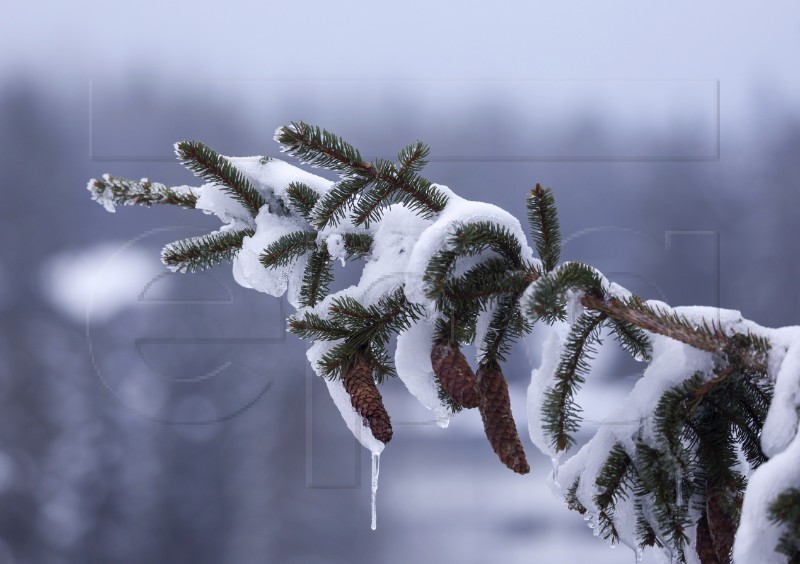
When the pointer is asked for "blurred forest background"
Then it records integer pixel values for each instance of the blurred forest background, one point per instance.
(152, 417)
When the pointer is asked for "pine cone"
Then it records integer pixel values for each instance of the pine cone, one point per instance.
(722, 520)
(366, 399)
(704, 544)
(495, 407)
(455, 375)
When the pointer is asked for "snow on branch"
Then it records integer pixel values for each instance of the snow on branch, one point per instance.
(706, 471)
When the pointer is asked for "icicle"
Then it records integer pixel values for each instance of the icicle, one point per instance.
(442, 421)
(376, 468)
(554, 462)
(679, 489)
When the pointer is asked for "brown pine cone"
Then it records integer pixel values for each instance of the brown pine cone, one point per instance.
(704, 544)
(722, 520)
(495, 407)
(366, 399)
(455, 374)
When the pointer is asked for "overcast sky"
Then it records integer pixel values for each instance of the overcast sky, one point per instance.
(749, 47)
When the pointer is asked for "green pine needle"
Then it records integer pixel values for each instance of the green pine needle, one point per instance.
(633, 340)
(317, 277)
(543, 219)
(318, 147)
(302, 199)
(614, 484)
(560, 413)
(204, 252)
(288, 248)
(413, 158)
(213, 167)
(784, 511)
(545, 299)
(357, 245)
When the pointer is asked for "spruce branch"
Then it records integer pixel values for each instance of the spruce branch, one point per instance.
(310, 326)
(319, 147)
(213, 167)
(632, 339)
(506, 326)
(302, 199)
(705, 336)
(614, 483)
(288, 248)
(784, 511)
(111, 190)
(204, 252)
(545, 229)
(546, 296)
(413, 158)
(657, 478)
(317, 276)
(357, 245)
(336, 203)
(571, 497)
(560, 413)
(645, 533)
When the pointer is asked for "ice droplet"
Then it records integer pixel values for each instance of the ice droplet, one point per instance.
(376, 468)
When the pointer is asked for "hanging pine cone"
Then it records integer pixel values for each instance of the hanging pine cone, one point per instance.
(495, 407)
(722, 518)
(366, 399)
(455, 374)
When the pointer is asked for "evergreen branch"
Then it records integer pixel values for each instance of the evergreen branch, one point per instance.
(506, 326)
(632, 339)
(784, 511)
(613, 482)
(318, 147)
(657, 477)
(455, 328)
(374, 323)
(571, 497)
(393, 186)
(312, 327)
(110, 191)
(288, 248)
(302, 198)
(337, 361)
(357, 245)
(204, 252)
(480, 284)
(545, 229)
(413, 158)
(705, 336)
(213, 167)
(367, 330)
(317, 277)
(334, 204)
(545, 299)
(560, 413)
(645, 533)
(379, 361)
(470, 239)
